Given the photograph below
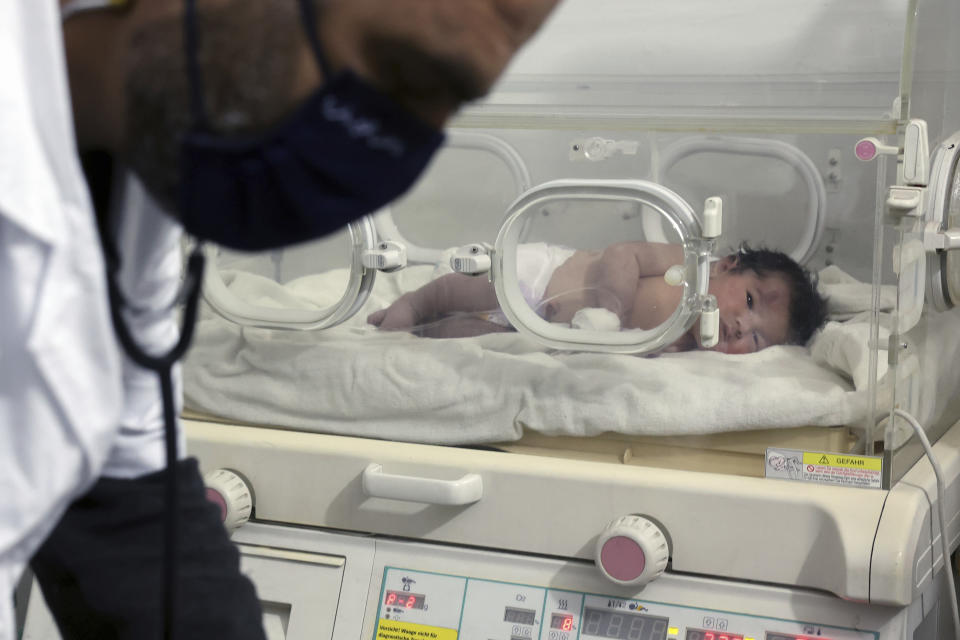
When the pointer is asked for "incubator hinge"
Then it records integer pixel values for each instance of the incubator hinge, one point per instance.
(709, 322)
(895, 345)
(472, 259)
(904, 201)
(936, 238)
(388, 256)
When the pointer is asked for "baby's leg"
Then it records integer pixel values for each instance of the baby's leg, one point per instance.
(447, 294)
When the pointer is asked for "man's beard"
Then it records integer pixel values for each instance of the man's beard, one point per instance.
(247, 58)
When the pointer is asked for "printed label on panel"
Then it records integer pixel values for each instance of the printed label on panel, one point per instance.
(824, 468)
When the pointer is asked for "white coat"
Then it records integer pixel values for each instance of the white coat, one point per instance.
(149, 245)
(63, 417)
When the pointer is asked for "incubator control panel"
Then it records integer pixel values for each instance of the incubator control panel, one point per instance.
(419, 605)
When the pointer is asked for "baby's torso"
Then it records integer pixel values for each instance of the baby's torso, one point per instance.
(569, 291)
(654, 302)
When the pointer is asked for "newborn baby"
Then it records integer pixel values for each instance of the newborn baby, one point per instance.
(764, 297)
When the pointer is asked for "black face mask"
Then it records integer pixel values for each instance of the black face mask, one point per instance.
(346, 152)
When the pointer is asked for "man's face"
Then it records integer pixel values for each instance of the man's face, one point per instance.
(754, 311)
(428, 55)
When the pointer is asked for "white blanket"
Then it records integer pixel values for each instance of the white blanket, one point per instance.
(356, 380)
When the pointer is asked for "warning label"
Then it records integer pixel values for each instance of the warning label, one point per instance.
(396, 630)
(825, 468)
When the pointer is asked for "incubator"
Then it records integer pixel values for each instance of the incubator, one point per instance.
(563, 464)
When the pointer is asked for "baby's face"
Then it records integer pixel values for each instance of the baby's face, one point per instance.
(754, 311)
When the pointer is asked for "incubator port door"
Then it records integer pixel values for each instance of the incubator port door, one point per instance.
(312, 286)
(575, 267)
(774, 194)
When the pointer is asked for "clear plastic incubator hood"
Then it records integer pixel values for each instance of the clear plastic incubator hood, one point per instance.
(678, 133)
(534, 398)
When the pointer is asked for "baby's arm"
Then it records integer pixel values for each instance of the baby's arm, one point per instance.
(686, 342)
(447, 294)
(617, 273)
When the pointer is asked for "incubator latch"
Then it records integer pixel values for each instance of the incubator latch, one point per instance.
(916, 153)
(915, 159)
(709, 322)
(675, 275)
(388, 256)
(712, 217)
(472, 259)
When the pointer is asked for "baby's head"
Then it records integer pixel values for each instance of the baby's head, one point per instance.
(765, 298)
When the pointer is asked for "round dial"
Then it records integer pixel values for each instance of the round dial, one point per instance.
(231, 494)
(632, 550)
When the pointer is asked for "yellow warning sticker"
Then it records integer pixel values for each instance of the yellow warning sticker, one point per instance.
(848, 462)
(825, 468)
(397, 630)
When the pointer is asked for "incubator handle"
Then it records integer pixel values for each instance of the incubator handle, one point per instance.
(465, 490)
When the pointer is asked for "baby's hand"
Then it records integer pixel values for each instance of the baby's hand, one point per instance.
(399, 316)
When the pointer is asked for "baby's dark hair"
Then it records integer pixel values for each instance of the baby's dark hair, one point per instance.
(808, 309)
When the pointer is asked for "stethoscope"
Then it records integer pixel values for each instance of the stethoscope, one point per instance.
(162, 364)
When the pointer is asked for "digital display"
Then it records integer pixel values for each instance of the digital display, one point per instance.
(609, 623)
(519, 616)
(773, 635)
(706, 634)
(562, 621)
(405, 599)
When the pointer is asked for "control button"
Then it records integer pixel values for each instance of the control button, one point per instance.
(632, 550)
(228, 491)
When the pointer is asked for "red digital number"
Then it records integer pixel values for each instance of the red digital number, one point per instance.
(708, 635)
(411, 600)
(567, 624)
(391, 597)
